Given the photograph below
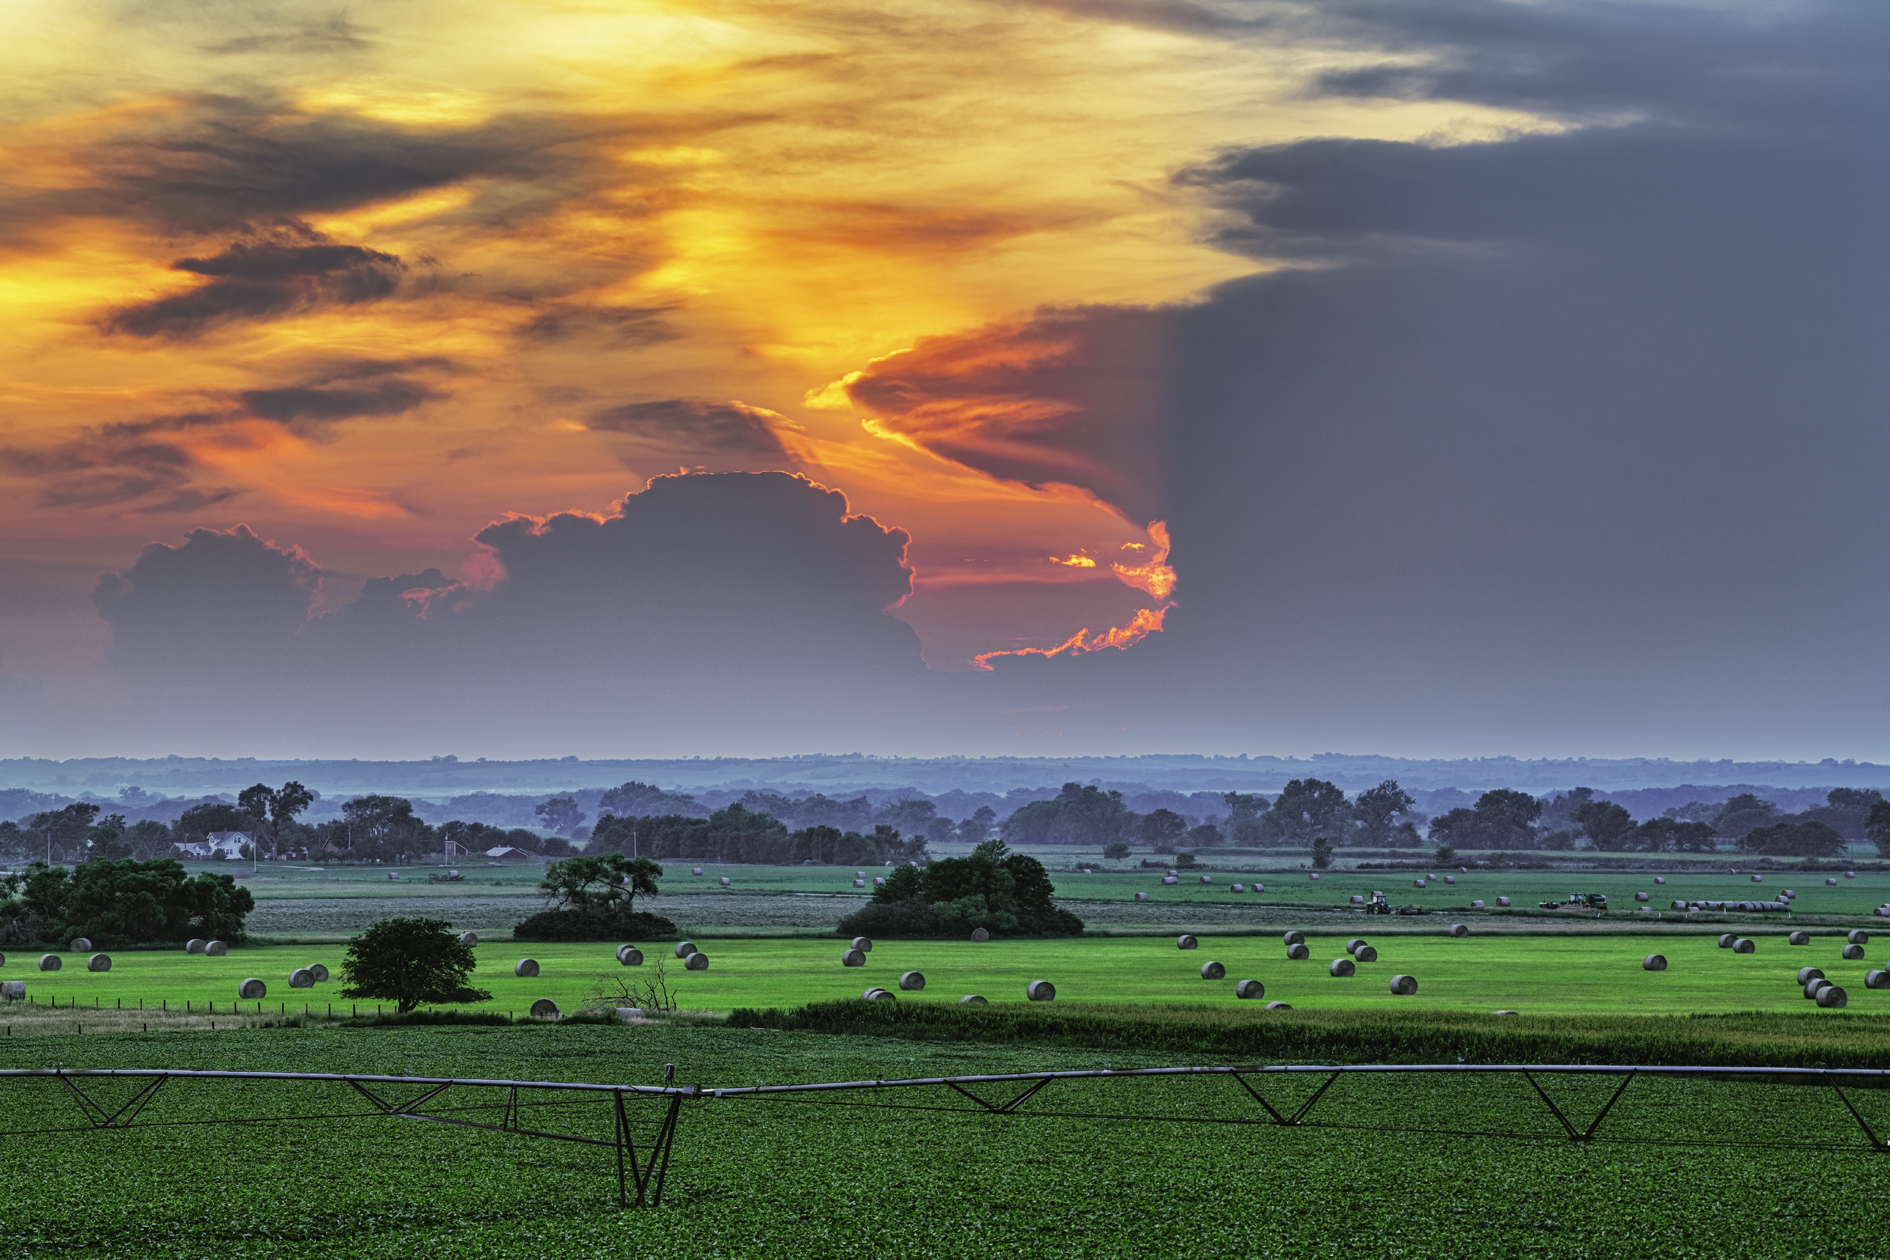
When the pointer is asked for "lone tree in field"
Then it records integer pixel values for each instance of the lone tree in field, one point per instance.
(410, 962)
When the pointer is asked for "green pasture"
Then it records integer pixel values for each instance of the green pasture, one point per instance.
(366, 893)
(1539, 974)
(1441, 1166)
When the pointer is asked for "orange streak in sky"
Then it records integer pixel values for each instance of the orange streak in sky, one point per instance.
(1145, 622)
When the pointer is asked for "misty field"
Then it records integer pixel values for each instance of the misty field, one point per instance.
(1444, 1167)
(1541, 974)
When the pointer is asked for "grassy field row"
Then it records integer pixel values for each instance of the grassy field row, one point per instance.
(1537, 974)
(1445, 1166)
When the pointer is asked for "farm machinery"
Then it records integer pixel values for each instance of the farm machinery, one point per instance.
(1578, 901)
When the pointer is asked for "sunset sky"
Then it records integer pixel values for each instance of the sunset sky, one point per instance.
(1447, 377)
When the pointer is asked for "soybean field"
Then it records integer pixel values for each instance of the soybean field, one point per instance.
(1447, 1166)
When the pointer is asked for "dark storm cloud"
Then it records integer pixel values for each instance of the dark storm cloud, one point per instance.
(630, 325)
(119, 464)
(291, 270)
(698, 424)
(702, 597)
(223, 600)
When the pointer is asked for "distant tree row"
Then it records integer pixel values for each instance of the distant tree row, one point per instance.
(739, 834)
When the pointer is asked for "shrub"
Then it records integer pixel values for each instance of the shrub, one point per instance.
(595, 925)
(1005, 893)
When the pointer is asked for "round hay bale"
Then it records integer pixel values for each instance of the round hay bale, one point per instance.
(1787, 895)
(1726, 940)
(1872, 980)
(1831, 998)
(725, 881)
(1807, 974)
(1853, 953)
(1040, 991)
(469, 939)
(1745, 945)
(853, 958)
(1278, 1006)
(1798, 938)
(1678, 905)
(544, 1008)
(1240, 888)
(252, 989)
(1502, 901)
(1502, 1012)
(1660, 879)
(980, 935)
(879, 995)
(1417, 883)
(1450, 879)
(1758, 879)
(1358, 899)
(1859, 937)
(697, 961)
(1654, 962)
(1476, 905)
(860, 943)
(215, 949)
(1141, 896)
(1250, 989)
(1184, 941)
(319, 972)
(859, 883)
(630, 955)
(525, 968)
(1170, 879)
(1403, 986)
(1365, 953)
(1460, 929)
(686, 948)
(695, 870)
(1211, 970)
(1342, 967)
(1351, 946)
(1293, 938)
(973, 999)
(103, 962)
(15, 990)
(50, 962)
(1640, 896)
(1850, 874)
(1207, 879)
(301, 979)
(1811, 986)
(1259, 887)
(912, 981)
(1315, 877)
(80, 945)
(1298, 953)
(194, 945)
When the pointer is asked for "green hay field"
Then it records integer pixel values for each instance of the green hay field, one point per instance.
(1181, 1168)
(1541, 974)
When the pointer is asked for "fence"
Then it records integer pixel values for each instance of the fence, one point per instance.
(642, 1167)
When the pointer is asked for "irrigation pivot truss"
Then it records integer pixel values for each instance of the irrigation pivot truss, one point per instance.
(643, 1166)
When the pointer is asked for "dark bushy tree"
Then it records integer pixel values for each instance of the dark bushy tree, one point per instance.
(1793, 839)
(1005, 893)
(594, 899)
(1379, 810)
(1877, 827)
(410, 962)
(1604, 822)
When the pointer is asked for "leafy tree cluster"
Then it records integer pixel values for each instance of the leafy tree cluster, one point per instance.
(1005, 893)
(1501, 819)
(1079, 814)
(593, 898)
(1794, 838)
(116, 902)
